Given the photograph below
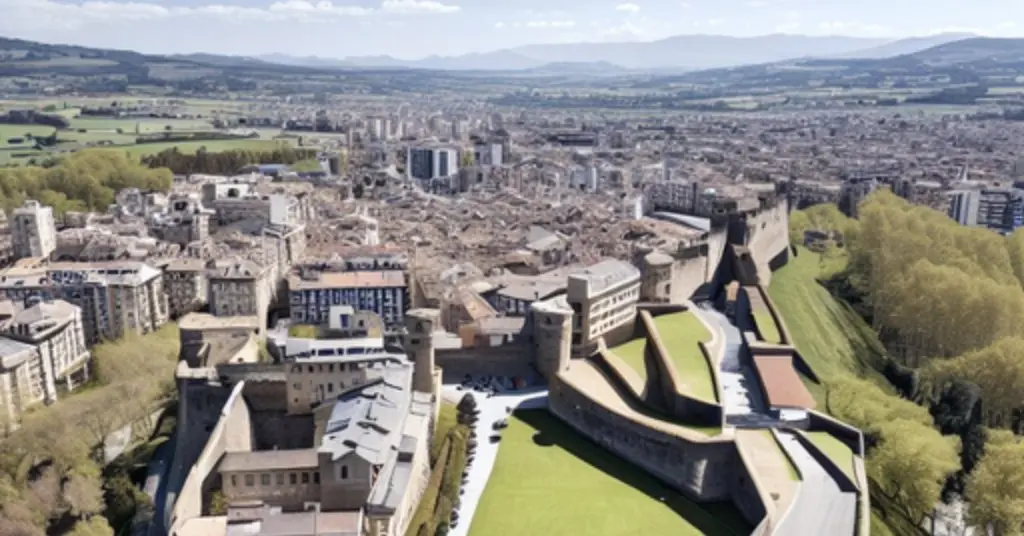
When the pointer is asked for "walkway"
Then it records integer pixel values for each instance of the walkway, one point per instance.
(491, 409)
(820, 506)
(741, 394)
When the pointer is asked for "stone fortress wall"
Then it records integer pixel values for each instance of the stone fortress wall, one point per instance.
(230, 434)
(703, 468)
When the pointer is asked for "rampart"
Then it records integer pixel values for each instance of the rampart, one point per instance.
(768, 237)
(508, 360)
(231, 434)
(669, 384)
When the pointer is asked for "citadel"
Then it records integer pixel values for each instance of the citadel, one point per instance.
(332, 436)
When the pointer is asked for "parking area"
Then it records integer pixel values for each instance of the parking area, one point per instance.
(496, 398)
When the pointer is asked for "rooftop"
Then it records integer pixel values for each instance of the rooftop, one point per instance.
(333, 280)
(605, 275)
(780, 382)
(268, 460)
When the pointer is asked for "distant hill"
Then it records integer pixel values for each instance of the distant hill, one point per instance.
(974, 50)
(909, 45)
(699, 51)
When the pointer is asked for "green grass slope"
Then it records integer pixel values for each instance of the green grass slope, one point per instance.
(832, 338)
(550, 480)
(836, 342)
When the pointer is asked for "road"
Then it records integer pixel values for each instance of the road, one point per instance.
(820, 506)
(491, 409)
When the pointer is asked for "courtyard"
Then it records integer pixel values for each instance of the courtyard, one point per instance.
(548, 479)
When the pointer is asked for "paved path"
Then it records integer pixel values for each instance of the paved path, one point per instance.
(491, 409)
(742, 396)
(820, 506)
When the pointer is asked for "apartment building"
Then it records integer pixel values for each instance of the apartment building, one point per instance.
(186, 285)
(33, 231)
(239, 287)
(313, 292)
(603, 299)
(42, 347)
(116, 298)
(998, 209)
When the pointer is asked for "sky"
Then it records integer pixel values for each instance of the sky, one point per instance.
(412, 29)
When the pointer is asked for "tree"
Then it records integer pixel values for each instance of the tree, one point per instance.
(910, 464)
(218, 503)
(997, 369)
(996, 489)
(83, 491)
(94, 526)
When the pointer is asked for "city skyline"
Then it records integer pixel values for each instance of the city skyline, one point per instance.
(412, 29)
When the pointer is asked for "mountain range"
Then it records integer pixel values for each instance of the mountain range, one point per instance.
(678, 53)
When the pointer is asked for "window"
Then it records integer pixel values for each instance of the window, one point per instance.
(292, 479)
(265, 479)
(234, 481)
(305, 478)
(316, 477)
(330, 368)
(344, 472)
(250, 481)
(311, 369)
(280, 479)
(330, 388)
(297, 387)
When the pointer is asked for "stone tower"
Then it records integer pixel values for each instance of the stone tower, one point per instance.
(419, 346)
(552, 326)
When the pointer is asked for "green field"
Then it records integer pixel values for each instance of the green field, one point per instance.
(550, 480)
(189, 147)
(680, 333)
(836, 450)
(19, 131)
(829, 334)
(766, 327)
(145, 125)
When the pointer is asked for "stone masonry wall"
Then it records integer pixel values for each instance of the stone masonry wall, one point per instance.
(702, 471)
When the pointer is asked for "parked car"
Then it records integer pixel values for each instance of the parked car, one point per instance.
(495, 438)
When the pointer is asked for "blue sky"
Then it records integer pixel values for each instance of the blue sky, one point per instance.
(416, 28)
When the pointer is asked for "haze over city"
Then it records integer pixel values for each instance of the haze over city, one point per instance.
(417, 28)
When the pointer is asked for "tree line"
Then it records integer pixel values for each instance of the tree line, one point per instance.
(947, 301)
(223, 162)
(51, 469)
(87, 180)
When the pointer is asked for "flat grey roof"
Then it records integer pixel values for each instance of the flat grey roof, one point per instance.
(269, 460)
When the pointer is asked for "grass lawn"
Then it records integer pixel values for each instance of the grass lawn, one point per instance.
(18, 131)
(680, 333)
(632, 353)
(550, 480)
(836, 450)
(829, 334)
(767, 328)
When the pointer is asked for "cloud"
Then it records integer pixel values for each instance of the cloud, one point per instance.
(499, 24)
(755, 3)
(628, 8)
(716, 22)
(417, 6)
(787, 27)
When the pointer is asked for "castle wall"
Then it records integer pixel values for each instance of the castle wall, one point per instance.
(768, 239)
(231, 434)
(702, 471)
(506, 360)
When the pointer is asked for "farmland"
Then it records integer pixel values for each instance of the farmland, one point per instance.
(109, 133)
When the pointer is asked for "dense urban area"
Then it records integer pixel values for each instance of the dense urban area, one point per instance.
(244, 297)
